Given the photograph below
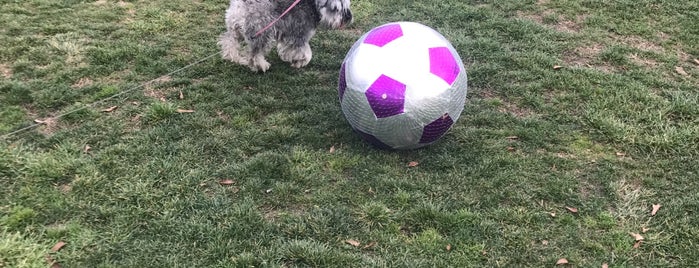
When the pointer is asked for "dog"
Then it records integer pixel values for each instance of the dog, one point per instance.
(244, 42)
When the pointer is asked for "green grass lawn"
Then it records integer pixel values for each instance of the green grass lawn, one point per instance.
(544, 164)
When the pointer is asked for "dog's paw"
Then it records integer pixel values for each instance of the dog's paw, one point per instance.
(297, 56)
(300, 63)
(235, 57)
(259, 64)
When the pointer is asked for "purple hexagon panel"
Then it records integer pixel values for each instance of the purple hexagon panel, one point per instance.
(386, 97)
(443, 64)
(384, 35)
(342, 83)
(435, 130)
(373, 140)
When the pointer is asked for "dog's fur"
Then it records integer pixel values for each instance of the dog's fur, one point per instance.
(244, 18)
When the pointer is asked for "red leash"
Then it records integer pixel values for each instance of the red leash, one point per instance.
(277, 19)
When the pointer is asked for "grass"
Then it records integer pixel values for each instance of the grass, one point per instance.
(611, 133)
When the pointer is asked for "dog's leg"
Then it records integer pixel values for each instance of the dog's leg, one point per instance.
(296, 51)
(259, 46)
(297, 56)
(230, 47)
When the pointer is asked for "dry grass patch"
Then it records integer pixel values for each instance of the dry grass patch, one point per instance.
(48, 126)
(560, 25)
(82, 82)
(633, 203)
(516, 110)
(639, 43)
(5, 71)
(589, 189)
(643, 61)
(271, 214)
(152, 89)
(71, 46)
(584, 57)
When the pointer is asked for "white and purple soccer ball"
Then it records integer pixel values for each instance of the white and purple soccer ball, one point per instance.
(402, 86)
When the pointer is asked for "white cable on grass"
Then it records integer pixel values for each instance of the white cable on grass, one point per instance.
(5, 136)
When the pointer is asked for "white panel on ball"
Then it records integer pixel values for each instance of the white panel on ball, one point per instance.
(402, 86)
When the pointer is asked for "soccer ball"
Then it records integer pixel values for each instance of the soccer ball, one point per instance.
(402, 86)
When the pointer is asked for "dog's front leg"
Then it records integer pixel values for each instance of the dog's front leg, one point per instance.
(259, 46)
(295, 49)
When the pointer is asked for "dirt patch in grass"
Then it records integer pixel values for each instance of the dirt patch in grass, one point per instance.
(589, 189)
(113, 78)
(272, 214)
(82, 82)
(681, 55)
(503, 105)
(65, 188)
(642, 61)
(5, 71)
(585, 57)
(516, 110)
(640, 43)
(152, 90)
(48, 126)
(569, 26)
(560, 24)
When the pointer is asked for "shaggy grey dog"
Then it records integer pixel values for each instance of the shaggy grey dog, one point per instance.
(245, 18)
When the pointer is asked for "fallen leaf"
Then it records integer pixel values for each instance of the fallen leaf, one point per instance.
(553, 214)
(332, 149)
(636, 236)
(637, 244)
(182, 111)
(448, 247)
(58, 246)
(680, 71)
(644, 230)
(370, 245)
(571, 209)
(226, 182)
(512, 138)
(353, 242)
(655, 209)
(181, 95)
(110, 109)
(605, 265)
(562, 261)
(413, 164)
(87, 148)
(556, 67)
